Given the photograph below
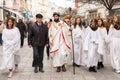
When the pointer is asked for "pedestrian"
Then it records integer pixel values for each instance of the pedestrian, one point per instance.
(1, 29)
(69, 28)
(103, 31)
(48, 46)
(22, 28)
(92, 44)
(59, 45)
(37, 39)
(78, 36)
(11, 46)
(113, 43)
(107, 24)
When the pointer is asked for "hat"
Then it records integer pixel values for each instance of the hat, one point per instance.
(55, 13)
(39, 16)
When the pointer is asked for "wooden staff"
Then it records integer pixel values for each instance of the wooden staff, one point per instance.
(73, 51)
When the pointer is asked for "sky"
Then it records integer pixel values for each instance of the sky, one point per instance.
(64, 3)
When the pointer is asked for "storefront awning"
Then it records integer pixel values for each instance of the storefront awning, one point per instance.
(15, 12)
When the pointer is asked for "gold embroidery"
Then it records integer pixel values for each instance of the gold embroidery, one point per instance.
(55, 26)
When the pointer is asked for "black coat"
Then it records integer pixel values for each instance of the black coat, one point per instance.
(22, 28)
(38, 35)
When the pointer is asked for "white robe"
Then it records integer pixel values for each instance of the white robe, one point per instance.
(60, 48)
(78, 44)
(113, 40)
(92, 46)
(11, 46)
(103, 56)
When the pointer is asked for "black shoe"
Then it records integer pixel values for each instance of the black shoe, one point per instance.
(74, 64)
(90, 69)
(101, 65)
(36, 70)
(58, 69)
(41, 70)
(93, 69)
(63, 68)
(98, 65)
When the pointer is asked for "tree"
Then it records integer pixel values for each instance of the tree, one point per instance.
(107, 3)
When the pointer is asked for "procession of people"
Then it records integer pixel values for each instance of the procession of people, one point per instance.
(67, 42)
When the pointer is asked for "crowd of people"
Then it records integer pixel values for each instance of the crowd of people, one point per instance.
(66, 43)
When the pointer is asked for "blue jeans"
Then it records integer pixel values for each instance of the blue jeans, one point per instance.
(1, 39)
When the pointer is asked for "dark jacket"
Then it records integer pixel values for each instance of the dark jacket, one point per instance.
(22, 28)
(38, 35)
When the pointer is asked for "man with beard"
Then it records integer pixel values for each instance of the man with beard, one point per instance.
(59, 45)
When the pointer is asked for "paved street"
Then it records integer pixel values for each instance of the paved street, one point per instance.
(26, 72)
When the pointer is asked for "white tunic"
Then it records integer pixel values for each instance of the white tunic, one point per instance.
(58, 35)
(92, 45)
(103, 56)
(78, 44)
(113, 41)
(11, 46)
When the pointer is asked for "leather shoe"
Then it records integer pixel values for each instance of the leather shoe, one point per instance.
(35, 70)
(63, 68)
(58, 69)
(41, 70)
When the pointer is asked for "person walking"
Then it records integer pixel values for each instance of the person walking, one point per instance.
(11, 47)
(22, 28)
(59, 44)
(92, 44)
(1, 29)
(37, 39)
(112, 40)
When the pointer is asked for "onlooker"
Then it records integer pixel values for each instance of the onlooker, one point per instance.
(1, 29)
(22, 28)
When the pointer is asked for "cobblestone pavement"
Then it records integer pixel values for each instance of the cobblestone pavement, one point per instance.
(26, 72)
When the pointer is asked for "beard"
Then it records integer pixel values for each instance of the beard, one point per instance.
(56, 20)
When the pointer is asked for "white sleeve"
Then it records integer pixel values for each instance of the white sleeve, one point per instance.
(17, 37)
(4, 38)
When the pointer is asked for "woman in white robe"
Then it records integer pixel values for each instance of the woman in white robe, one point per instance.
(113, 41)
(92, 45)
(104, 35)
(78, 42)
(11, 46)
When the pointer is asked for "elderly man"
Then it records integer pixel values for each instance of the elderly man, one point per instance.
(38, 38)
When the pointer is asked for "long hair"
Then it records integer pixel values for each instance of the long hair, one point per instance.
(95, 21)
(117, 24)
(80, 24)
(102, 22)
(13, 22)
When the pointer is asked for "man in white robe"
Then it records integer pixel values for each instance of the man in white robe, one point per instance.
(59, 45)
